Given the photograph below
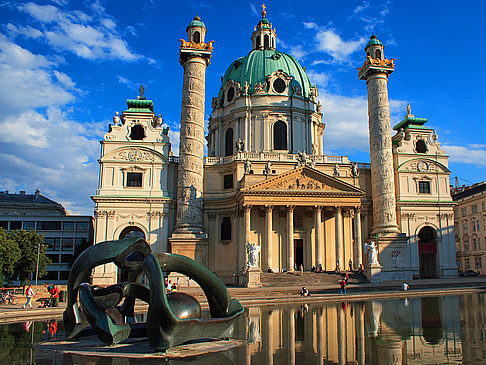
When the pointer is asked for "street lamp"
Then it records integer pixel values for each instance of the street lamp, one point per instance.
(37, 265)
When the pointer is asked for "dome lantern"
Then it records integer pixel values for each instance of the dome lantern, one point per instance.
(264, 36)
(374, 48)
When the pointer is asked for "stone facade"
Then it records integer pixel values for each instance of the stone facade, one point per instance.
(470, 226)
(267, 183)
(137, 182)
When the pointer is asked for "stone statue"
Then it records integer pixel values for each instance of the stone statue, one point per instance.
(160, 120)
(142, 91)
(434, 137)
(301, 159)
(247, 166)
(409, 109)
(253, 251)
(371, 250)
(355, 169)
(336, 170)
(239, 145)
(268, 169)
(319, 107)
(245, 88)
(172, 318)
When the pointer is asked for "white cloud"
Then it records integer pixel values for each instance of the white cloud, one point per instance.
(332, 43)
(89, 36)
(310, 25)
(253, 9)
(364, 5)
(319, 78)
(473, 154)
(346, 121)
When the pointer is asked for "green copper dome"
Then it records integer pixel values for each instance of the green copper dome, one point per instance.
(258, 64)
(196, 22)
(373, 41)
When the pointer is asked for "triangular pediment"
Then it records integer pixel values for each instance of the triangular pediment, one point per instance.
(304, 179)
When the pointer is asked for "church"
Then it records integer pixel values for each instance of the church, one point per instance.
(266, 198)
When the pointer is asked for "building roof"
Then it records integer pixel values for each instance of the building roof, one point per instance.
(411, 122)
(467, 191)
(140, 105)
(22, 199)
(259, 64)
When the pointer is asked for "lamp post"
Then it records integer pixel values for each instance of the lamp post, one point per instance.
(37, 265)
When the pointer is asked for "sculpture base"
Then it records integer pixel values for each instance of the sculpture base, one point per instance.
(194, 246)
(251, 278)
(373, 273)
(393, 257)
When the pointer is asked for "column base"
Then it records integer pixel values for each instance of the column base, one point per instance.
(251, 278)
(194, 246)
(373, 273)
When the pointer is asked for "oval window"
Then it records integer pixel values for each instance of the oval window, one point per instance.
(279, 85)
(231, 94)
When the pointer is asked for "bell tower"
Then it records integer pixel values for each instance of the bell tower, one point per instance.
(189, 237)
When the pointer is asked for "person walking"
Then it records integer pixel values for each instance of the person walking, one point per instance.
(343, 286)
(29, 293)
(54, 296)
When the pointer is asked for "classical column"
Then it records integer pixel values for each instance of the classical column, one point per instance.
(339, 238)
(268, 234)
(360, 333)
(270, 340)
(375, 71)
(291, 337)
(247, 215)
(290, 237)
(190, 172)
(318, 224)
(341, 334)
(358, 241)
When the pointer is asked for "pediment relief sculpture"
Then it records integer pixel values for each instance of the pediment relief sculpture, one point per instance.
(299, 182)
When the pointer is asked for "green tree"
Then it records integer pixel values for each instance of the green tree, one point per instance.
(9, 254)
(29, 242)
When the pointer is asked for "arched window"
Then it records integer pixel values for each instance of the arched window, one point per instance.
(228, 148)
(196, 37)
(137, 133)
(378, 54)
(258, 42)
(226, 229)
(279, 135)
(266, 42)
(420, 146)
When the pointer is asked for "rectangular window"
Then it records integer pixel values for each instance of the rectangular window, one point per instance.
(29, 225)
(15, 225)
(479, 263)
(80, 241)
(82, 226)
(134, 179)
(228, 181)
(4, 224)
(67, 243)
(68, 226)
(483, 204)
(53, 243)
(475, 244)
(464, 228)
(473, 224)
(424, 187)
(475, 208)
(48, 226)
(467, 264)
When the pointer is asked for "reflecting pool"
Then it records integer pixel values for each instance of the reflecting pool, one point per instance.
(431, 330)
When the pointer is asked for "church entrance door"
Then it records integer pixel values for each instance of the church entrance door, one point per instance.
(427, 247)
(299, 252)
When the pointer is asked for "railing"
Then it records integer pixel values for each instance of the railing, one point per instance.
(279, 157)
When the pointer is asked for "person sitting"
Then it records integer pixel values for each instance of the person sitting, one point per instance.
(304, 292)
(269, 270)
(313, 269)
(405, 286)
(360, 269)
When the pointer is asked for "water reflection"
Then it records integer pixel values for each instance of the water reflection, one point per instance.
(401, 331)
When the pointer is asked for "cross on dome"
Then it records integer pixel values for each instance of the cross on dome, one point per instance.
(263, 10)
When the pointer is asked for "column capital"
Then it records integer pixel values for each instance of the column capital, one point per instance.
(318, 207)
(290, 208)
(357, 209)
(246, 207)
(268, 208)
(338, 208)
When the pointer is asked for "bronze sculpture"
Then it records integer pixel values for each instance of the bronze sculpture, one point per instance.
(171, 319)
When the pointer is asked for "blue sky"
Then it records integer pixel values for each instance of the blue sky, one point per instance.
(67, 66)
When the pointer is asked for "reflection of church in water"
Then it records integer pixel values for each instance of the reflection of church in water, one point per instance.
(266, 180)
(407, 331)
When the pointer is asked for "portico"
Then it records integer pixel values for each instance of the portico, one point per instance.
(302, 225)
